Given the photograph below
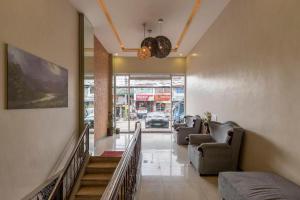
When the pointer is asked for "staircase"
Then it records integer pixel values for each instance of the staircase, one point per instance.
(96, 176)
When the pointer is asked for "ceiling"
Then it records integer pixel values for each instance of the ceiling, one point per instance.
(129, 15)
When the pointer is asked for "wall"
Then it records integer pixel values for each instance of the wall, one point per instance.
(151, 65)
(32, 139)
(248, 70)
(103, 88)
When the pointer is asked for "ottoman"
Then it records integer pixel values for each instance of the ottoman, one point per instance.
(256, 186)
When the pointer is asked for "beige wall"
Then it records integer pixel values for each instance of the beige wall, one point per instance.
(151, 65)
(32, 140)
(248, 70)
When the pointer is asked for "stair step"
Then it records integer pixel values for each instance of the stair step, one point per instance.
(104, 159)
(87, 198)
(96, 179)
(88, 192)
(101, 167)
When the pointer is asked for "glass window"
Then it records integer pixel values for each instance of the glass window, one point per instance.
(162, 90)
(150, 83)
(137, 97)
(122, 81)
(178, 81)
(121, 109)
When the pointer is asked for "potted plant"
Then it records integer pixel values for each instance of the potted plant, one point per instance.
(109, 125)
(206, 121)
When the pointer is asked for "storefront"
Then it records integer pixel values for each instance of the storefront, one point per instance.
(137, 96)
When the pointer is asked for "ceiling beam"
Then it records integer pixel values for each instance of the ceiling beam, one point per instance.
(121, 43)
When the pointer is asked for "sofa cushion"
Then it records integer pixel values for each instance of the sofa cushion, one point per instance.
(256, 186)
(229, 137)
(220, 131)
(198, 139)
(189, 121)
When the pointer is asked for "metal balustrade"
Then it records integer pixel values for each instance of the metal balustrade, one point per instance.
(122, 185)
(67, 179)
(124, 181)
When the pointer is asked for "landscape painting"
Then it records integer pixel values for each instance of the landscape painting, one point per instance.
(33, 82)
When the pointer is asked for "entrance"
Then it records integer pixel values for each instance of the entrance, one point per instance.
(154, 100)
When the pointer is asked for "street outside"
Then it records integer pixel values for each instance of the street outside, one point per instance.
(123, 125)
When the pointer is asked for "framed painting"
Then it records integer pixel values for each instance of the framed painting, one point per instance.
(33, 82)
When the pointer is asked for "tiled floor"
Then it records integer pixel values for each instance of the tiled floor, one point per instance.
(166, 173)
(116, 142)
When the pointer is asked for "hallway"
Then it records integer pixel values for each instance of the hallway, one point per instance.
(167, 175)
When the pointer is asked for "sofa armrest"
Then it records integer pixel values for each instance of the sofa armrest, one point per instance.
(215, 150)
(186, 130)
(197, 139)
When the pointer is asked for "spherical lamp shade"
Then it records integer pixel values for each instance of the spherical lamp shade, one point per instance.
(151, 43)
(144, 53)
(164, 47)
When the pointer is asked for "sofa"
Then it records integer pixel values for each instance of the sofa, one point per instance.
(193, 128)
(256, 186)
(218, 151)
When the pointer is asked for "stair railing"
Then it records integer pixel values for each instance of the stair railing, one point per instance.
(65, 182)
(124, 181)
(43, 191)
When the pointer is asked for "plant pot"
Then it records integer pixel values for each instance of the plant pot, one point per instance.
(109, 132)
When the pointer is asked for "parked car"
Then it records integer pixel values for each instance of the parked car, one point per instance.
(157, 120)
(141, 113)
(133, 116)
(90, 120)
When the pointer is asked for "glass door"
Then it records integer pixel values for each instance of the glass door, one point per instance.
(178, 99)
(121, 103)
(155, 100)
(152, 107)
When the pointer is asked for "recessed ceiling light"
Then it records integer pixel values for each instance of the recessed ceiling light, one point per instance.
(180, 54)
(194, 54)
(116, 54)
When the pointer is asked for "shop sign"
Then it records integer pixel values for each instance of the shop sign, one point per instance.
(144, 97)
(162, 97)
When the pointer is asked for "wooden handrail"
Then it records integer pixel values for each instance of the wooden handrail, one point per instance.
(113, 189)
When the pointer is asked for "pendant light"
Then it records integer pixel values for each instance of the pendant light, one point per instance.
(151, 43)
(163, 43)
(144, 52)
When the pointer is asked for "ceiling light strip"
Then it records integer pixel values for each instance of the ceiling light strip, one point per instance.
(109, 19)
(179, 41)
(188, 23)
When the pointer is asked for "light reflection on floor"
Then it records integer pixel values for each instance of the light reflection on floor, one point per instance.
(116, 142)
(166, 173)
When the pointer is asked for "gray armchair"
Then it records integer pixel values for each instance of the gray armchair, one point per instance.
(218, 151)
(188, 122)
(184, 132)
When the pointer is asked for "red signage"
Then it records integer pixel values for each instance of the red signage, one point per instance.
(162, 98)
(143, 97)
(149, 97)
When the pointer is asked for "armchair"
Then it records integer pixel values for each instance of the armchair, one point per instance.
(218, 151)
(188, 121)
(183, 132)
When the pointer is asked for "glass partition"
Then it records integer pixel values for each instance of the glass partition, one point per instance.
(88, 79)
(157, 101)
